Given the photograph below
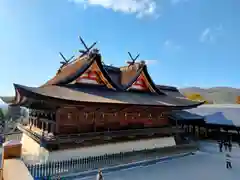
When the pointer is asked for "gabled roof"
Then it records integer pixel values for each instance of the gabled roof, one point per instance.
(114, 87)
(72, 71)
(113, 77)
(132, 73)
(79, 65)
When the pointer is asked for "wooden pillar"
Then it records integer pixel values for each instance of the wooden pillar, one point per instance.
(206, 134)
(35, 122)
(94, 122)
(42, 125)
(31, 122)
(47, 125)
(52, 128)
(197, 131)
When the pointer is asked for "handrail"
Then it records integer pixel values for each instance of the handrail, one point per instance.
(90, 136)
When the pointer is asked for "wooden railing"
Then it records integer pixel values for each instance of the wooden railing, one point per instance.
(95, 135)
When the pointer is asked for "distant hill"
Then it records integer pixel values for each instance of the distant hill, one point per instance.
(218, 95)
(4, 99)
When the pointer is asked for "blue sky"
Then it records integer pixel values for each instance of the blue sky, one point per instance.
(186, 42)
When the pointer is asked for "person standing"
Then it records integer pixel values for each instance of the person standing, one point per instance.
(225, 145)
(228, 161)
(230, 146)
(220, 144)
(99, 175)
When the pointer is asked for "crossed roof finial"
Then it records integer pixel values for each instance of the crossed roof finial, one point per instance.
(87, 49)
(130, 63)
(65, 61)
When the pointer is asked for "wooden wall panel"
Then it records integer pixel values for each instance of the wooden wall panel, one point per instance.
(67, 119)
(73, 120)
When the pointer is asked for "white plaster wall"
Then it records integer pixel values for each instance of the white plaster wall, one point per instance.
(33, 153)
(31, 150)
(111, 148)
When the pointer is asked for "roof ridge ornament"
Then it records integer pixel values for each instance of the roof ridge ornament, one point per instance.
(87, 50)
(143, 62)
(131, 63)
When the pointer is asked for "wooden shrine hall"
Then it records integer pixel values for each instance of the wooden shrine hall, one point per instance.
(87, 98)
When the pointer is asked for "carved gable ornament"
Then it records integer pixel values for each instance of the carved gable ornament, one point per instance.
(140, 84)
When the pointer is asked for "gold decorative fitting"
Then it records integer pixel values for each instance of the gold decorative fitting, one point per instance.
(142, 62)
(69, 115)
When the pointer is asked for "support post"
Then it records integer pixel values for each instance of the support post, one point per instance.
(42, 125)
(47, 127)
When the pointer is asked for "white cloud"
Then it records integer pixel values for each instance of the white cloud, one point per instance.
(139, 7)
(151, 62)
(211, 34)
(171, 45)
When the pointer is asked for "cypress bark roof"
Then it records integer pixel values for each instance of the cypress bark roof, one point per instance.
(89, 93)
(115, 87)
